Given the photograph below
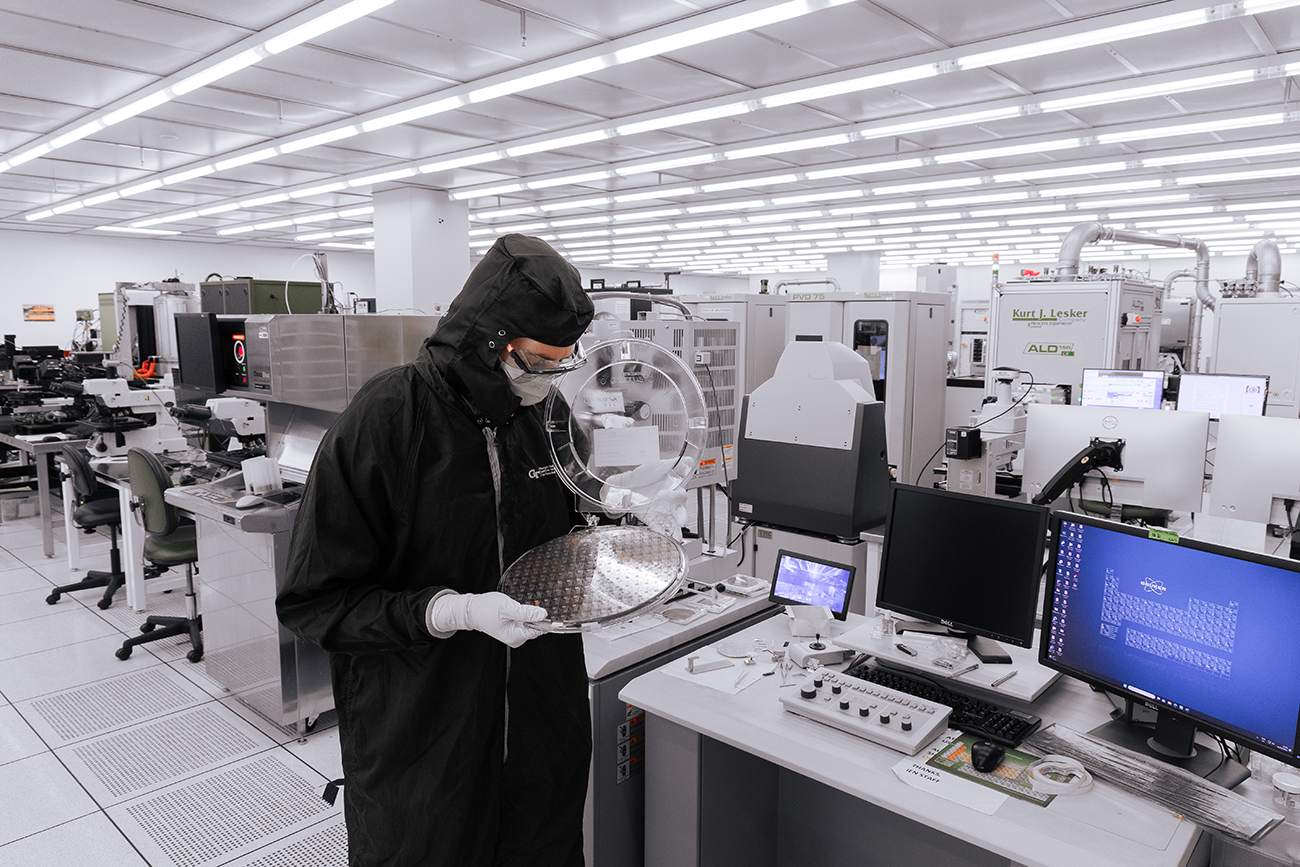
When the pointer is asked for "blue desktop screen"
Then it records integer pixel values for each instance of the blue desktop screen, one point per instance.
(809, 582)
(1205, 634)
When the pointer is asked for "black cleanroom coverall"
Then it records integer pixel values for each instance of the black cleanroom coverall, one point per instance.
(457, 750)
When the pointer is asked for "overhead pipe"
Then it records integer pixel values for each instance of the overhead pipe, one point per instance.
(646, 296)
(1264, 267)
(831, 280)
(1067, 266)
(1194, 339)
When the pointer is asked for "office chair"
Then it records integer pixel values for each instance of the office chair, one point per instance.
(167, 542)
(95, 507)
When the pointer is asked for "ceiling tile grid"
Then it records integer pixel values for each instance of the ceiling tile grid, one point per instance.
(991, 125)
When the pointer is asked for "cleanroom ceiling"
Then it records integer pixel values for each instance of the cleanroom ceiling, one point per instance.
(756, 136)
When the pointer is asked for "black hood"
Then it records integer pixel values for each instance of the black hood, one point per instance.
(521, 288)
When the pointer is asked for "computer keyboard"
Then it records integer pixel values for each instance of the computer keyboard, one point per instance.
(1005, 726)
(885, 716)
(235, 458)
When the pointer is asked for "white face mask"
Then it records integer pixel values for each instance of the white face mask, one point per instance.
(531, 388)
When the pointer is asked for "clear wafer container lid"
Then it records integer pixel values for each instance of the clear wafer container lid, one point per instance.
(628, 427)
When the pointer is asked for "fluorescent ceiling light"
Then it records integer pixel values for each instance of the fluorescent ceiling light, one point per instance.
(141, 188)
(318, 190)
(1123, 94)
(557, 143)
(1192, 128)
(137, 231)
(213, 73)
(77, 134)
(380, 178)
(325, 23)
(101, 199)
(189, 175)
(698, 116)
(143, 104)
(219, 209)
(245, 159)
(316, 218)
(1085, 39)
(264, 200)
(312, 141)
(204, 77)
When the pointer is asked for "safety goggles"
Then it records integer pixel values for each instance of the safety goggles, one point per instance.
(531, 362)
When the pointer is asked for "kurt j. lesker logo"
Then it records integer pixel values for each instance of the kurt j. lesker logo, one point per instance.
(1050, 314)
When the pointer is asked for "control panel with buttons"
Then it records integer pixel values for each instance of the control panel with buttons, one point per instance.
(893, 719)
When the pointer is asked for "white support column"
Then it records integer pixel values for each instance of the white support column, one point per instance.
(421, 248)
(855, 272)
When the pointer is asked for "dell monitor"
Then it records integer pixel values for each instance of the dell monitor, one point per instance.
(1222, 393)
(1200, 633)
(965, 565)
(1256, 469)
(1132, 389)
(1161, 454)
(803, 580)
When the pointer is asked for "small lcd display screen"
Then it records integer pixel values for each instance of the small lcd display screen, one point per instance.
(803, 580)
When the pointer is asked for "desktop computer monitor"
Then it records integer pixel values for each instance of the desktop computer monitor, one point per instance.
(1133, 389)
(1256, 469)
(1200, 633)
(1221, 393)
(1163, 457)
(964, 565)
(198, 357)
(803, 580)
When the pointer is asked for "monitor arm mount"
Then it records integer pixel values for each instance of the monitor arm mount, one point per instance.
(1098, 453)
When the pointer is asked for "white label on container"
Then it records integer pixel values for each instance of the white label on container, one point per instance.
(626, 447)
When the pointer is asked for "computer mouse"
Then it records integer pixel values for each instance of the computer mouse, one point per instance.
(51, 439)
(248, 501)
(985, 756)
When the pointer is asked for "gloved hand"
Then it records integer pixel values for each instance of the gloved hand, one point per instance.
(495, 614)
(648, 492)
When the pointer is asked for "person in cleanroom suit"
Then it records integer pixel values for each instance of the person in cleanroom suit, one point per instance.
(465, 730)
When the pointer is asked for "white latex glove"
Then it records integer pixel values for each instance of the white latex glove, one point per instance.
(495, 614)
(647, 493)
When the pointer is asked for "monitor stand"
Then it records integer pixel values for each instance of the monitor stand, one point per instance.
(986, 650)
(1172, 743)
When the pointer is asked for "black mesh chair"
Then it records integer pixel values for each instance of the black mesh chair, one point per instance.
(168, 542)
(96, 506)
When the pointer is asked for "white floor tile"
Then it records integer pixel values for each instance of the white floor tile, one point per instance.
(60, 668)
(21, 581)
(109, 704)
(321, 752)
(37, 793)
(17, 607)
(198, 675)
(322, 845)
(35, 554)
(60, 626)
(28, 538)
(9, 561)
(227, 813)
(90, 839)
(17, 739)
(151, 755)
